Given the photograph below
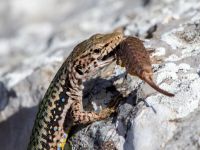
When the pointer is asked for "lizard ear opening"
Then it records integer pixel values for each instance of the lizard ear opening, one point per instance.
(78, 69)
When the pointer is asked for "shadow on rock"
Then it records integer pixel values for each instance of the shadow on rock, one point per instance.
(16, 130)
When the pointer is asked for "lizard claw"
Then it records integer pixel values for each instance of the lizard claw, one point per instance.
(105, 113)
(112, 107)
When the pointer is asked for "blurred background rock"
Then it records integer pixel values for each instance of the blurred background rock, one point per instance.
(37, 35)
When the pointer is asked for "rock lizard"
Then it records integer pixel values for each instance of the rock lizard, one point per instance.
(63, 99)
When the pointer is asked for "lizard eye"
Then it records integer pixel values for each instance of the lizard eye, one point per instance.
(97, 51)
(78, 69)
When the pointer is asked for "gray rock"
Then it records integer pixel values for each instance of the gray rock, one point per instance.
(36, 37)
(187, 134)
(5, 94)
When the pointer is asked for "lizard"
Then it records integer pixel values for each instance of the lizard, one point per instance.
(131, 54)
(62, 101)
(134, 57)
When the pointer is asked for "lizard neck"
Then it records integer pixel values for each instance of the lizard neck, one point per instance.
(74, 82)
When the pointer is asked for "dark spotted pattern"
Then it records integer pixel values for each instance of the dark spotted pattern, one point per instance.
(49, 121)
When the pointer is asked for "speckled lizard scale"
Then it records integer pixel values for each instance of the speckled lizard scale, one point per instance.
(65, 92)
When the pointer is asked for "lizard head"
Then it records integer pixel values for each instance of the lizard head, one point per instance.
(95, 52)
(103, 45)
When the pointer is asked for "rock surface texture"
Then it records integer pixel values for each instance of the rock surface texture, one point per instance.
(36, 36)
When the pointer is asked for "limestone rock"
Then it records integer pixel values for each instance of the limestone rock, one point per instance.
(36, 37)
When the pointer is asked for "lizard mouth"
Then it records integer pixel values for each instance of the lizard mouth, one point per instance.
(111, 54)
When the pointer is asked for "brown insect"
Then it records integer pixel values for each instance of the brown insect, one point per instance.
(133, 56)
